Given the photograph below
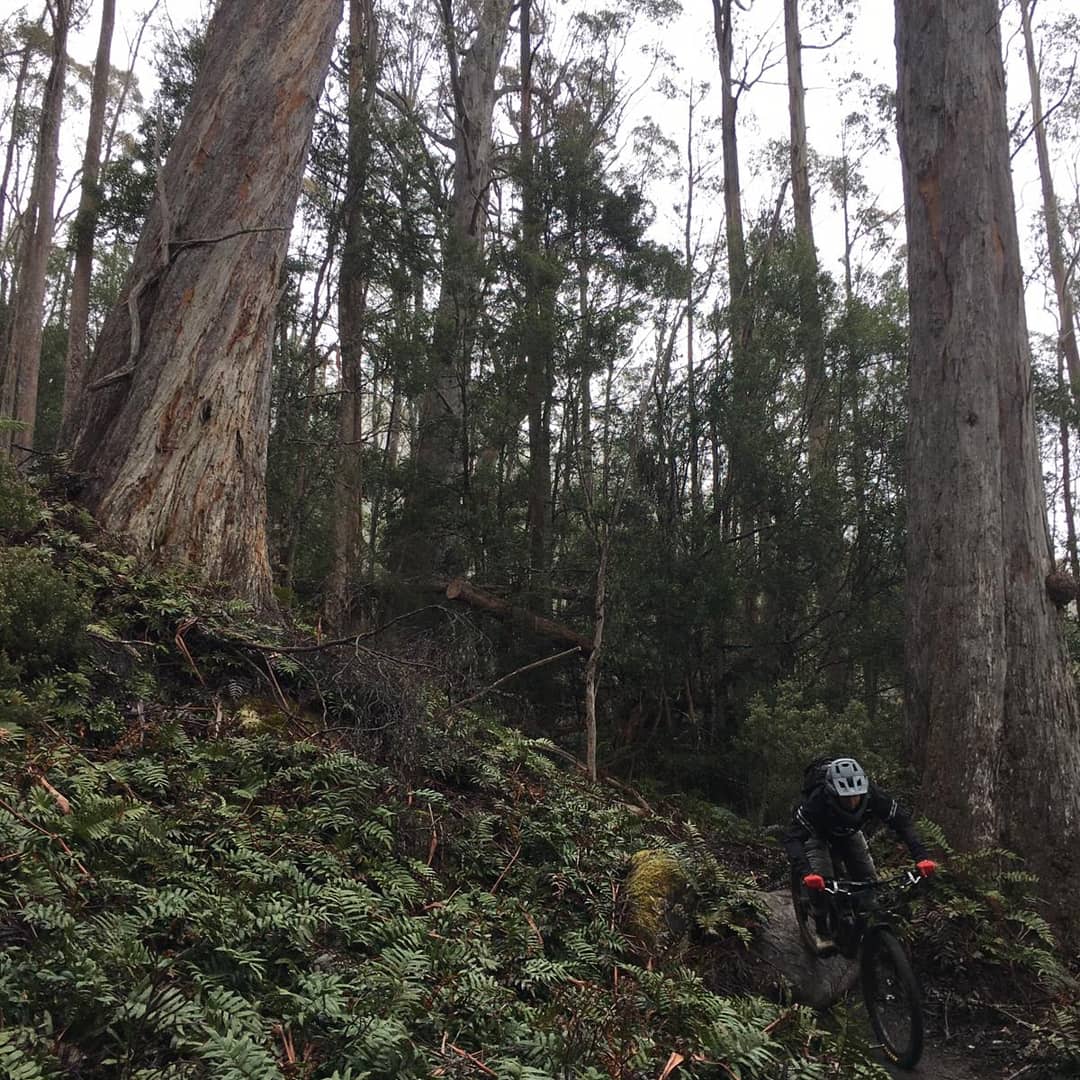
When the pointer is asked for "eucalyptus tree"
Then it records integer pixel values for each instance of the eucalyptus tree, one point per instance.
(476, 35)
(987, 678)
(131, 162)
(86, 219)
(22, 347)
(354, 284)
(816, 406)
(173, 420)
(1051, 215)
(26, 41)
(537, 329)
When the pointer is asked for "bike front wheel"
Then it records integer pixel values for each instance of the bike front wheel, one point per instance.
(892, 997)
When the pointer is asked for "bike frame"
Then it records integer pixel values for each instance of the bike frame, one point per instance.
(850, 918)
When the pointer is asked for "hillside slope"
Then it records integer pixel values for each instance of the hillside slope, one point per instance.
(220, 858)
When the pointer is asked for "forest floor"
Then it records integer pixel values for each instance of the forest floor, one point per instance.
(221, 860)
(965, 1038)
(972, 1054)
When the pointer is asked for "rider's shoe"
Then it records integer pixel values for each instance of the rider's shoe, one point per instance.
(822, 938)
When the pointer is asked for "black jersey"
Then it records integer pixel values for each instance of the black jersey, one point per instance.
(819, 815)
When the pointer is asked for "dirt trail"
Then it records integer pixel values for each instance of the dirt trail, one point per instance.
(939, 1063)
(958, 1059)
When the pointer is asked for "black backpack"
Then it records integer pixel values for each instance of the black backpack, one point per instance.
(814, 775)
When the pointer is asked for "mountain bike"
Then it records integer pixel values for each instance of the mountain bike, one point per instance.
(856, 922)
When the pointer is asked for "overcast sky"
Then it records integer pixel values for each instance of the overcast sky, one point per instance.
(868, 48)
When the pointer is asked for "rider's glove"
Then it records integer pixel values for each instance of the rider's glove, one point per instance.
(815, 882)
(926, 867)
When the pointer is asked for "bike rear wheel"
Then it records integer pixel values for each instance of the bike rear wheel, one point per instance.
(892, 997)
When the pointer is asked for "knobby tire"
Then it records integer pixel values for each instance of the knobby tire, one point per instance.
(892, 997)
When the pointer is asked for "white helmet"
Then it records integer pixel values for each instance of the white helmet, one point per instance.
(845, 776)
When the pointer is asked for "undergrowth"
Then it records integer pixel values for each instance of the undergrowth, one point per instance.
(248, 906)
(221, 859)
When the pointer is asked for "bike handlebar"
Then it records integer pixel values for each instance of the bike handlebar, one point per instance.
(840, 886)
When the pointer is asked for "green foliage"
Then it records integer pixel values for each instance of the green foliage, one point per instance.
(180, 900)
(191, 888)
(785, 731)
(984, 930)
(20, 510)
(42, 614)
(220, 905)
(986, 912)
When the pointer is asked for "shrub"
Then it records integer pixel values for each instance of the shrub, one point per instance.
(42, 614)
(20, 510)
(784, 732)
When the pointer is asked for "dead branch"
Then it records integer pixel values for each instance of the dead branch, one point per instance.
(625, 789)
(451, 709)
(61, 801)
(181, 630)
(467, 593)
(352, 639)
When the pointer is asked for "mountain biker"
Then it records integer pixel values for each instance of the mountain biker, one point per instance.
(826, 828)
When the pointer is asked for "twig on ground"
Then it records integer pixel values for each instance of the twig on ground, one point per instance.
(506, 870)
(625, 789)
(45, 832)
(61, 801)
(181, 630)
(469, 1057)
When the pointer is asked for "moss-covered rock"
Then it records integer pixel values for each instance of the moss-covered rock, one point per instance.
(658, 896)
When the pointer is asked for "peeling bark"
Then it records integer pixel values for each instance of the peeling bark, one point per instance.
(171, 436)
(987, 679)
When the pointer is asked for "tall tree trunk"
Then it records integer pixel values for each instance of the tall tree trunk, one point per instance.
(1071, 550)
(536, 333)
(18, 395)
(356, 268)
(174, 417)
(738, 272)
(691, 322)
(442, 448)
(812, 331)
(592, 665)
(1066, 312)
(587, 452)
(86, 221)
(988, 684)
(745, 422)
(9, 160)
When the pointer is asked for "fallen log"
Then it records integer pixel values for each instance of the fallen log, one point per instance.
(467, 593)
